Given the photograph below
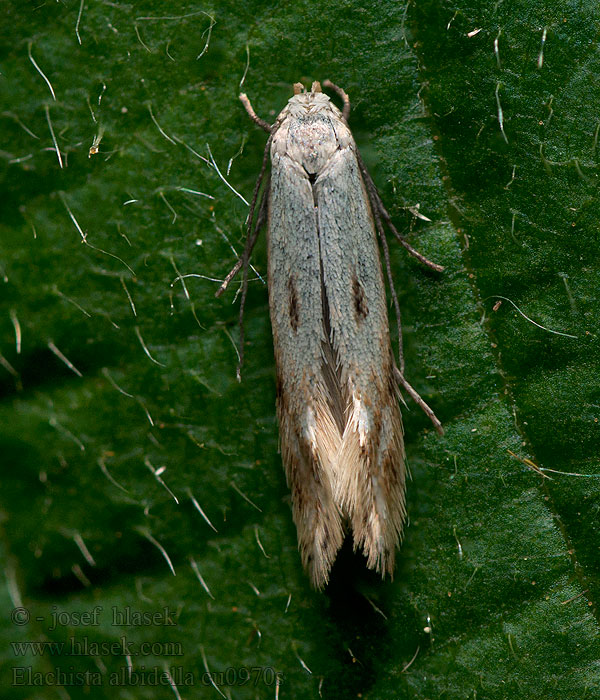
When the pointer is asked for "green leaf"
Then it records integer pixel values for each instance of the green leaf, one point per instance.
(123, 428)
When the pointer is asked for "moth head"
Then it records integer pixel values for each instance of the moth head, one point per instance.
(307, 102)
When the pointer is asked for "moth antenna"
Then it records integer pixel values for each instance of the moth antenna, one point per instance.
(252, 114)
(316, 87)
(298, 88)
(342, 94)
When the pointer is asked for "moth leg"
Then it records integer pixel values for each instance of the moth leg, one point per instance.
(344, 97)
(250, 241)
(252, 114)
(378, 205)
(244, 262)
(419, 401)
(379, 212)
(388, 271)
(400, 372)
(251, 236)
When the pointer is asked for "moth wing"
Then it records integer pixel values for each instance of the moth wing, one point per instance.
(369, 478)
(309, 437)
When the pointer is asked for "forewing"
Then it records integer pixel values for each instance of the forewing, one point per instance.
(309, 436)
(369, 478)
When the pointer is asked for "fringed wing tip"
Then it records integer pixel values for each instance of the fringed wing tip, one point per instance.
(318, 557)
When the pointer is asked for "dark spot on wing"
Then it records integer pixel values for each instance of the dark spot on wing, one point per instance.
(360, 302)
(389, 469)
(281, 395)
(325, 538)
(293, 301)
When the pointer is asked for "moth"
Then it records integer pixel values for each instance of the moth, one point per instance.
(341, 434)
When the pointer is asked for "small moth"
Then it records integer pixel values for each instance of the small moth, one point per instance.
(341, 434)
